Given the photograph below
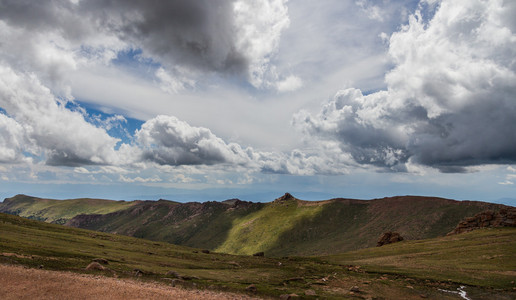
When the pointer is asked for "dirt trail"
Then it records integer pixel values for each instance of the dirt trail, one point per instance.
(22, 283)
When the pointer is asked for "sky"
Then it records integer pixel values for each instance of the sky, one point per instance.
(217, 99)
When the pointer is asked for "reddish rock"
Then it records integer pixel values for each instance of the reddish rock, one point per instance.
(95, 266)
(505, 217)
(389, 238)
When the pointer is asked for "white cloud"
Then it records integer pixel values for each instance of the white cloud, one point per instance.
(12, 140)
(372, 11)
(449, 102)
(155, 178)
(259, 25)
(509, 178)
(173, 84)
(181, 178)
(168, 141)
(62, 135)
(289, 84)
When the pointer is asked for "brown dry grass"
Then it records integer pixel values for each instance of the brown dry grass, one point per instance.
(22, 283)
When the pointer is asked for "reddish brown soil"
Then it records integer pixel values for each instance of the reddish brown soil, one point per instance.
(22, 283)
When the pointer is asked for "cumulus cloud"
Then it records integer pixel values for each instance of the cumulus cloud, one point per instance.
(12, 139)
(167, 140)
(259, 25)
(449, 101)
(39, 124)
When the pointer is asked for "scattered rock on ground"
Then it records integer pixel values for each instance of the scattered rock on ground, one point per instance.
(310, 293)
(95, 266)
(389, 238)
(296, 279)
(138, 272)
(288, 296)
(172, 274)
(355, 289)
(234, 263)
(251, 288)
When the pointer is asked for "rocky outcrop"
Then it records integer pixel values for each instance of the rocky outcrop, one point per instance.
(389, 238)
(285, 197)
(505, 217)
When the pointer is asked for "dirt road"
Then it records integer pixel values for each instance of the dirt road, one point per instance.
(22, 283)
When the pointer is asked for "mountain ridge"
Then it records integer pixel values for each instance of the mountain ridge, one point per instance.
(285, 226)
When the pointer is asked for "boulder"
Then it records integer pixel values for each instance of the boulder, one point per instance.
(95, 266)
(505, 217)
(389, 238)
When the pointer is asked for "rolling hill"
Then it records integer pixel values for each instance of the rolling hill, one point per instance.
(285, 226)
(59, 211)
(481, 263)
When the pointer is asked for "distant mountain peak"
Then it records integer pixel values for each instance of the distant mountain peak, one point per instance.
(286, 197)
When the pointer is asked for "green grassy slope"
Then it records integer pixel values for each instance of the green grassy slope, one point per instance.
(263, 229)
(286, 226)
(485, 257)
(202, 225)
(59, 211)
(472, 259)
(295, 227)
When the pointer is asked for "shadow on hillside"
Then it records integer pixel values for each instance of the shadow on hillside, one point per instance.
(336, 228)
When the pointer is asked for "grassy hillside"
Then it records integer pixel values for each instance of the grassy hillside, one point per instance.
(286, 226)
(59, 211)
(485, 257)
(202, 225)
(391, 272)
(262, 230)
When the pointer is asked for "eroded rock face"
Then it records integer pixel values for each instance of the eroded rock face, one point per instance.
(505, 217)
(389, 238)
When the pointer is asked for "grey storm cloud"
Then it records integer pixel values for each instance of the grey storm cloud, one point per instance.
(450, 101)
(195, 33)
(201, 34)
